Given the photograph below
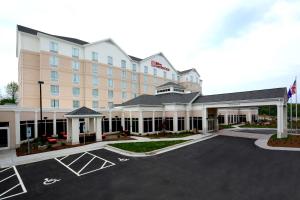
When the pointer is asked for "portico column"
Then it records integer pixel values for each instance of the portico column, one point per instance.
(216, 121)
(226, 118)
(153, 121)
(54, 124)
(69, 130)
(17, 127)
(35, 124)
(110, 122)
(92, 125)
(281, 125)
(204, 120)
(123, 120)
(130, 121)
(75, 131)
(249, 117)
(187, 120)
(98, 129)
(175, 122)
(141, 123)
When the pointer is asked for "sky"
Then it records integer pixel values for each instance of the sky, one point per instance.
(235, 45)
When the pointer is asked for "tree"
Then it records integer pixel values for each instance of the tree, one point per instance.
(11, 90)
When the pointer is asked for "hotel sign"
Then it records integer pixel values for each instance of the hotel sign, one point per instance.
(158, 65)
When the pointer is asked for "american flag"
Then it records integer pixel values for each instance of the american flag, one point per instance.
(294, 87)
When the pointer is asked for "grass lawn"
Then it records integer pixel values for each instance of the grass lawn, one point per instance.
(225, 126)
(289, 141)
(258, 126)
(145, 146)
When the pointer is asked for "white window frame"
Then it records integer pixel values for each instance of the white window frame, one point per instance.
(53, 46)
(53, 61)
(75, 52)
(75, 65)
(55, 77)
(76, 78)
(95, 56)
(54, 90)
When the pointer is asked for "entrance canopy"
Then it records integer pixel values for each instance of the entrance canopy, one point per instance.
(92, 120)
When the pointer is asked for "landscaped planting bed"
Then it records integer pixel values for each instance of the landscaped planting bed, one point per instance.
(170, 134)
(290, 141)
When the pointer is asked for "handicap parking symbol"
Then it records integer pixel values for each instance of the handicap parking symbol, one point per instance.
(49, 181)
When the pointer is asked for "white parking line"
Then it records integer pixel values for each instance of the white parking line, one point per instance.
(19, 184)
(106, 164)
(64, 157)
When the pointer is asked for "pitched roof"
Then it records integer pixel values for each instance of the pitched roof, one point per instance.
(135, 58)
(35, 32)
(188, 70)
(247, 95)
(83, 111)
(170, 83)
(161, 99)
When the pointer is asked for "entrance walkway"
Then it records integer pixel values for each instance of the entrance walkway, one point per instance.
(242, 134)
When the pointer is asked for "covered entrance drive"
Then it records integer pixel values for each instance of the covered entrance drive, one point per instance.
(277, 97)
(83, 121)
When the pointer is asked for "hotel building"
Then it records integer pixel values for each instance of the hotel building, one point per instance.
(137, 94)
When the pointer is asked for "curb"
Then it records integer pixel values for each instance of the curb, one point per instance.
(158, 151)
(262, 143)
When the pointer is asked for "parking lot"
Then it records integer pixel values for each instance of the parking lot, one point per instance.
(218, 168)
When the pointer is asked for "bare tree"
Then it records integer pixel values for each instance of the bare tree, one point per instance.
(11, 90)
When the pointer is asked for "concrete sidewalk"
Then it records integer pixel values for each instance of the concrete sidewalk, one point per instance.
(9, 158)
(235, 133)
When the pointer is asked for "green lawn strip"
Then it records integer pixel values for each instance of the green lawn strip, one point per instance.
(174, 135)
(225, 126)
(145, 146)
(257, 126)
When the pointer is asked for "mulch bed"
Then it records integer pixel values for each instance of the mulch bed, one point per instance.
(290, 141)
(114, 137)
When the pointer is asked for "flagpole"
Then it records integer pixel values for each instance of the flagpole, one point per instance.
(291, 114)
(296, 107)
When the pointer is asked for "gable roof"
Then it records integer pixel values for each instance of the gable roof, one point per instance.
(35, 32)
(135, 58)
(187, 71)
(170, 83)
(160, 54)
(247, 95)
(155, 100)
(83, 111)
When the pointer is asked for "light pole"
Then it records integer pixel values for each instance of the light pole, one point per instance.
(41, 113)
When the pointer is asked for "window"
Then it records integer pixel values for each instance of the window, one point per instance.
(110, 83)
(54, 103)
(109, 60)
(135, 125)
(75, 65)
(134, 76)
(76, 103)
(95, 104)
(95, 69)
(147, 125)
(124, 95)
(116, 124)
(54, 76)
(53, 47)
(127, 124)
(134, 86)
(95, 80)
(173, 77)
(105, 125)
(75, 52)
(134, 95)
(145, 69)
(124, 85)
(134, 67)
(123, 74)
(53, 61)
(163, 90)
(221, 119)
(76, 91)
(95, 92)
(54, 90)
(110, 104)
(123, 64)
(145, 78)
(158, 124)
(197, 123)
(145, 88)
(165, 75)
(94, 56)
(109, 71)
(169, 123)
(180, 123)
(76, 78)
(178, 78)
(110, 94)
(192, 78)
(154, 72)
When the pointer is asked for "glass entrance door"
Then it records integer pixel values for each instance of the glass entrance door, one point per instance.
(4, 138)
